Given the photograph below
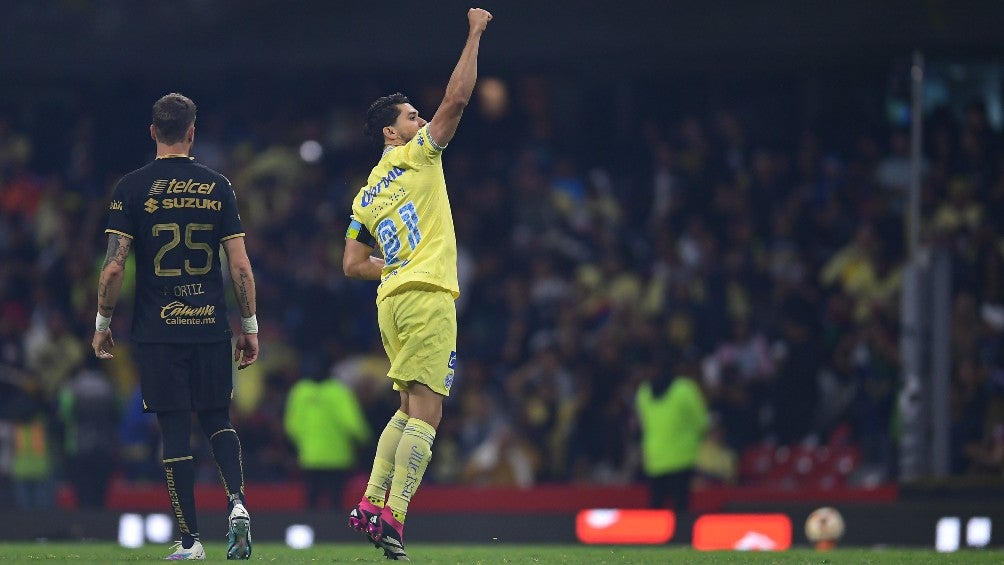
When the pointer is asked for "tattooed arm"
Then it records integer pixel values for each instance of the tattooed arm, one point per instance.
(109, 286)
(246, 350)
(241, 275)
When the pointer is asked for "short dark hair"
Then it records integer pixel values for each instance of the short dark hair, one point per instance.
(173, 114)
(381, 114)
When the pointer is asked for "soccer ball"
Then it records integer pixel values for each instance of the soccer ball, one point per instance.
(824, 526)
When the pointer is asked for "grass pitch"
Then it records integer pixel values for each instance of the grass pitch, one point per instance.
(103, 552)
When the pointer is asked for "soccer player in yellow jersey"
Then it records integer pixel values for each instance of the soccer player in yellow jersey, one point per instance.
(404, 208)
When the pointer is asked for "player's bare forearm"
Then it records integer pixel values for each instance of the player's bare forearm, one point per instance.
(461, 85)
(359, 263)
(109, 287)
(241, 276)
(374, 268)
(369, 270)
(246, 347)
(465, 74)
(112, 273)
(244, 291)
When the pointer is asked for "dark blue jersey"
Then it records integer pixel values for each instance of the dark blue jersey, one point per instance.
(177, 212)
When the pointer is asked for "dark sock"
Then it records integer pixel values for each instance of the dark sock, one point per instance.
(179, 474)
(227, 452)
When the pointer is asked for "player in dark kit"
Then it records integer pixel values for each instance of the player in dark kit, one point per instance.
(178, 215)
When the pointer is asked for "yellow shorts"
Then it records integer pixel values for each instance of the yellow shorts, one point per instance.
(418, 328)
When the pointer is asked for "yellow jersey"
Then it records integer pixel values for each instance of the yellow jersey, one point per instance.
(406, 209)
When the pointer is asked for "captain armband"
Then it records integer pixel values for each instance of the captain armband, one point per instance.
(358, 232)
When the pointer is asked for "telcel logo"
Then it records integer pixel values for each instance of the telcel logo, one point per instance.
(191, 186)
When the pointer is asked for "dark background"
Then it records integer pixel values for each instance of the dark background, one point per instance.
(82, 40)
(813, 65)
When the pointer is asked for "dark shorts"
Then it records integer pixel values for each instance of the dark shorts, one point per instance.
(185, 376)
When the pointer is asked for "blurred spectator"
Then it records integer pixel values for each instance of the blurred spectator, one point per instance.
(875, 365)
(795, 390)
(265, 451)
(674, 419)
(15, 147)
(490, 451)
(327, 427)
(89, 412)
(540, 396)
(139, 441)
(32, 456)
(893, 172)
(503, 459)
(852, 270)
(716, 463)
(53, 352)
(747, 351)
(603, 449)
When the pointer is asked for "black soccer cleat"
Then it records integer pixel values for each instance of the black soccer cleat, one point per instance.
(392, 539)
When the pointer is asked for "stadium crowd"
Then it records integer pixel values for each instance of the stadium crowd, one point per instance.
(764, 256)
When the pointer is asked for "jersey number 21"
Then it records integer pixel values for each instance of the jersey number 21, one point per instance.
(387, 232)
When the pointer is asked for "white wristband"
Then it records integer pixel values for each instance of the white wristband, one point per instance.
(101, 323)
(250, 325)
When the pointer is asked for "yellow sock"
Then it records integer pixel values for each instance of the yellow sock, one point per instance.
(413, 456)
(383, 462)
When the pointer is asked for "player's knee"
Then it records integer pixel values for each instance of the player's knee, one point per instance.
(431, 414)
(432, 420)
(175, 430)
(214, 421)
(425, 404)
